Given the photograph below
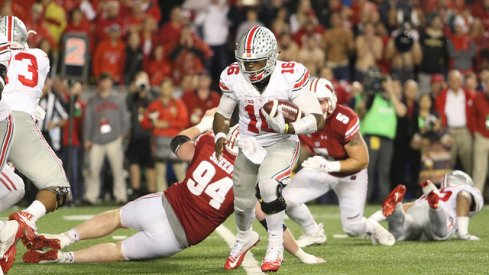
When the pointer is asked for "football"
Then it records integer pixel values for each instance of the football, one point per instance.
(290, 111)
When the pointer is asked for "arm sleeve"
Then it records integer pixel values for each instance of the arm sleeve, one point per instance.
(226, 106)
(307, 102)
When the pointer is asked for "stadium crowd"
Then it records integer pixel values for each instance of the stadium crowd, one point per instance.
(155, 66)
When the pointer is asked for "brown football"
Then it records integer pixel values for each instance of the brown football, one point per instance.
(290, 111)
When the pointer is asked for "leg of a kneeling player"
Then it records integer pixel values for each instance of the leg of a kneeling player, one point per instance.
(100, 253)
(352, 194)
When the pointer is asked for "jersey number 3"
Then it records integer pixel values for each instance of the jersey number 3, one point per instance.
(201, 182)
(28, 80)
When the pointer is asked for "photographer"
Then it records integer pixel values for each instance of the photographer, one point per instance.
(139, 149)
(381, 107)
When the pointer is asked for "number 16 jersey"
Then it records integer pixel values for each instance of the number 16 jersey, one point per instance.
(26, 73)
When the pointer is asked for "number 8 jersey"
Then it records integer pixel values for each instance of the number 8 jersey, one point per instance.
(27, 71)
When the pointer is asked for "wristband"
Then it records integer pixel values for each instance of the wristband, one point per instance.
(219, 135)
(286, 129)
(334, 166)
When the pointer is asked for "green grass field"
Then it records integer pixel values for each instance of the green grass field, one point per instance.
(343, 256)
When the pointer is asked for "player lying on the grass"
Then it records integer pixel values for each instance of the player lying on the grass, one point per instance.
(340, 164)
(438, 214)
(182, 216)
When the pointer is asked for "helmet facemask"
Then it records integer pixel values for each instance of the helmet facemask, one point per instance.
(255, 45)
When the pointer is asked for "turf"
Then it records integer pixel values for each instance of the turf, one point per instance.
(344, 256)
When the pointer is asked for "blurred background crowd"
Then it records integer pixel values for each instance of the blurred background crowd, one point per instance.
(154, 68)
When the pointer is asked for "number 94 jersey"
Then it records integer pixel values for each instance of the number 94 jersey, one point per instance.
(26, 73)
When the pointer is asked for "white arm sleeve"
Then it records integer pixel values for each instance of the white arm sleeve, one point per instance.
(226, 106)
(307, 102)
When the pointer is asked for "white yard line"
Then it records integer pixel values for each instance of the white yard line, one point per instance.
(249, 264)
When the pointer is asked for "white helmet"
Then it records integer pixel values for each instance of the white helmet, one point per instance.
(456, 178)
(15, 31)
(324, 89)
(258, 43)
(233, 139)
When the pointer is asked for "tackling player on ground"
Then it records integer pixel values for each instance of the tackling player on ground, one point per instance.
(340, 164)
(182, 216)
(255, 79)
(438, 214)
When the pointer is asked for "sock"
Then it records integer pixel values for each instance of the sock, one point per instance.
(66, 257)
(378, 216)
(275, 228)
(2, 225)
(32, 213)
(244, 219)
(73, 235)
(463, 226)
(306, 257)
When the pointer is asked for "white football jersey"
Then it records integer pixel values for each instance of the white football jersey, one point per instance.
(449, 197)
(287, 81)
(26, 74)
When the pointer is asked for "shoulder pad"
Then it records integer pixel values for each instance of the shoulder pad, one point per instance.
(227, 77)
(295, 73)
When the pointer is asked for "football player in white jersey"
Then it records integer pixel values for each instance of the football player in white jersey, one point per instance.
(438, 215)
(12, 186)
(30, 153)
(255, 79)
(340, 164)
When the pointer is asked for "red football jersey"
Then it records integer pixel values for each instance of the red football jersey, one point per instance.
(339, 129)
(204, 199)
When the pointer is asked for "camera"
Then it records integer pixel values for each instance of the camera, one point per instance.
(372, 81)
(142, 87)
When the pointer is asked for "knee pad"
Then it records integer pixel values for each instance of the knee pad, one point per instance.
(355, 228)
(274, 206)
(61, 194)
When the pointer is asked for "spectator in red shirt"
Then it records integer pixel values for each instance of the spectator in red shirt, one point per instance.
(136, 17)
(190, 54)
(481, 142)
(158, 67)
(454, 106)
(37, 24)
(169, 33)
(200, 100)
(166, 116)
(78, 23)
(110, 55)
(110, 18)
(148, 35)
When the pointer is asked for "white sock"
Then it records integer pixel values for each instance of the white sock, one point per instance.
(306, 257)
(378, 216)
(370, 225)
(66, 257)
(463, 226)
(2, 225)
(275, 228)
(36, 211)
(73, 235)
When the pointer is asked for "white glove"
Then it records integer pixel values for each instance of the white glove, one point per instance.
(277, 123)
(40, 113)
(321, 164)
(205, 124)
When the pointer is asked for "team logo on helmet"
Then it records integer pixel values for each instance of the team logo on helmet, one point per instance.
(258, 43)
(324, 90)
(456, 178)
(14, 29)
(233, 139)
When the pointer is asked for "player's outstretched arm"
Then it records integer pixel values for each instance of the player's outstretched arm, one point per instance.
(221, 122)
(182, 145)
(464, 204)
(357, 155)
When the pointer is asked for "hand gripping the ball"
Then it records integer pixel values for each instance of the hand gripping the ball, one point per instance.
(277, 123)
